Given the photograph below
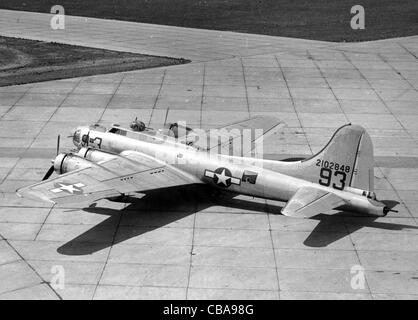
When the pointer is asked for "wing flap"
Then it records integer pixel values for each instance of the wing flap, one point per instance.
(308, 202)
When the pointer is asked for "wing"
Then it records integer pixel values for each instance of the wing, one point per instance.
(308, 202)
(222, 138)
(130, 172)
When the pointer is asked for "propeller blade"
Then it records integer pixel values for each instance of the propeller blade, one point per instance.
(48, 174)
(58, 144)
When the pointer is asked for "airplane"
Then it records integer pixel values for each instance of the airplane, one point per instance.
(114, 162)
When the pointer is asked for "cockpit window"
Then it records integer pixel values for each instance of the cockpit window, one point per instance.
(118, 131)
(77, 136)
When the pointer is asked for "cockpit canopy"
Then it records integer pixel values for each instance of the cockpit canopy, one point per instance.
(77, 136)
(80, 135)
(117, 130)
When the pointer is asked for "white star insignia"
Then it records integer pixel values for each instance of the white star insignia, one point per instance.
(70, 188)
(222, 178)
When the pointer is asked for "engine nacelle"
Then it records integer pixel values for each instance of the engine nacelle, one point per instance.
(95, 155)
(64, 163)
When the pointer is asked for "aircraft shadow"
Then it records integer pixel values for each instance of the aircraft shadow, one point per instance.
(156, 209)
(321, 236)
(162, 207)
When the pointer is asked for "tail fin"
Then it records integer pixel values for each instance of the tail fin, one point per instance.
(346, 161)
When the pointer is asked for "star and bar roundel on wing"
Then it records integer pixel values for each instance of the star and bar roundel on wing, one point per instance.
(69, 188)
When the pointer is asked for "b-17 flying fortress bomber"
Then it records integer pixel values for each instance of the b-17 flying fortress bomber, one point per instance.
(210, 150)
(119, 161)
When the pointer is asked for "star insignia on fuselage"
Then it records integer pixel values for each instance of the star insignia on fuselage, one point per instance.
(222, 177)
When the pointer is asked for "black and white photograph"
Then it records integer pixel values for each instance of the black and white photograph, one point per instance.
(222, 150)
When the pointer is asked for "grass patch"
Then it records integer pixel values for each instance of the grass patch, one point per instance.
(25, 61)
(320, 19)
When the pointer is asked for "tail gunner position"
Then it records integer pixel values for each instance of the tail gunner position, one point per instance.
(120, 161)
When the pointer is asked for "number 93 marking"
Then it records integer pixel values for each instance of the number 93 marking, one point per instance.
(326, 177)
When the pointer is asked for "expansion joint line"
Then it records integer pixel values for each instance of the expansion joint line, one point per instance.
(407, 50)
(43, 222)
(202, 100)
(274, 253)
(380, 97)
(293, 101)
(158, 97)
(108, 255)
(191, 256)
(328, 84)
(358, 259)
(399, 197)
(16, 102)
(53, 114)
(396, 71)
(246, 89)
(41, 129)
(111, 98)
(43, 281)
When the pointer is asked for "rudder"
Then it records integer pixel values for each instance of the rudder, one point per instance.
(363, 175)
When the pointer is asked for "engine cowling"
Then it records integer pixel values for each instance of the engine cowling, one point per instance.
(84, 158)
(64, 163)
(95, 155)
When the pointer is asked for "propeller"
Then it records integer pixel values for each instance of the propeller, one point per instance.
(51, 169)
(49, 172)
(58, 144)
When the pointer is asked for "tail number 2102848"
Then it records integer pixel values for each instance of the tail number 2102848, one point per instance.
(330, 170)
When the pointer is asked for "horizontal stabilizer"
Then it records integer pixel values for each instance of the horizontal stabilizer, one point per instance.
(309, 201)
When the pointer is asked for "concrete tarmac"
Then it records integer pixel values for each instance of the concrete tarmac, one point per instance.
(185, 243)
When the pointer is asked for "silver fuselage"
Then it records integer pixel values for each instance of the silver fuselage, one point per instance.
(280, 184)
